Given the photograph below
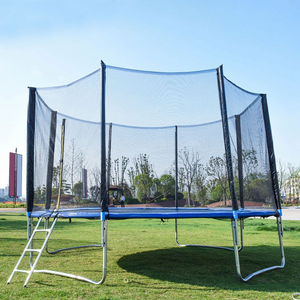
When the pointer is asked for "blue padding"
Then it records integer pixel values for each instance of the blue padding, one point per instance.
(159, 213)
(28, 214)
(235, 214)
(280, 212)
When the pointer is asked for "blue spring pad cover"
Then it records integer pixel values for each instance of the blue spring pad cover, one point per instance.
(154, 212)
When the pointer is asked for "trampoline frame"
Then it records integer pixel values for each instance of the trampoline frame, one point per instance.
(105, 214)
(237, 247)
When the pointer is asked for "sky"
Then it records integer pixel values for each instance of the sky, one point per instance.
(55, 42)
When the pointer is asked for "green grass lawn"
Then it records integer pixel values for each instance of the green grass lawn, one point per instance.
(145, 263)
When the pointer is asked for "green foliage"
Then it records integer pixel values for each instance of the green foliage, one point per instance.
(87, 201)
(259, 190)
(144, 183)
(167, 185)
(217, 170)
(77, 190)
(40, 194)
(132, 201)
(170, 197)
(189, 172)
(216, 193)
(180, 196)
(157, 196)
(95, 193)
(156, 184)
(201, 196)
(10, 205)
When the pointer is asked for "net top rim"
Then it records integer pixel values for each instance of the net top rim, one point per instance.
(150, 73)
(161, 73)
(132, 71)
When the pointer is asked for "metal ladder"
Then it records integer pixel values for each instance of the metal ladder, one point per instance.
(29, 249)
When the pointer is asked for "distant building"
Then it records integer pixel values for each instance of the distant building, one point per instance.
(6, 191)
(2, 191)
(292, 187)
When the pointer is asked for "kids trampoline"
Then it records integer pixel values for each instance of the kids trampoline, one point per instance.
(193, 138)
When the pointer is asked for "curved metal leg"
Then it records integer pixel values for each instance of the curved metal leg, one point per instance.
(29, 248)
(207, 246)
(104, 246)
(236, 252)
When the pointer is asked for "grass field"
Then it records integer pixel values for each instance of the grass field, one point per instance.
(145, 263)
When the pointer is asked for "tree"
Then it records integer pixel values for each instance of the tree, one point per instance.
(250, 164)
(217, 169)
(181, 179)
(125, 161)
(200, 179)
(216, 193)
(260, 189)
(95, 183)
(95, 191)
(144, 184)
(65, 187)
(190, 163)
(115, 176)
(131, 175)
(142, 166)
(167, 185)
(77, 190)
(281, 174)
(40, 194)
(55, 177)
(75, 161)
(156, 184)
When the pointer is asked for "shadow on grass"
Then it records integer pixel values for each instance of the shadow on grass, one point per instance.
(216, 268)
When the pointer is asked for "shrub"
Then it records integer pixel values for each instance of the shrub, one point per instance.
(179, 195)
(9, 205)
(158, 196)
(170, 197)
(132, 201)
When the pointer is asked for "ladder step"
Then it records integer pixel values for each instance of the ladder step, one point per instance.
(33, 250)
(27, 249)
(22, 271)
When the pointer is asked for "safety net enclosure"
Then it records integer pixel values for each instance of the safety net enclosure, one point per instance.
(175, 139)
(176, 145)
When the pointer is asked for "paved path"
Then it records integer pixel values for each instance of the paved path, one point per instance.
(291, 213)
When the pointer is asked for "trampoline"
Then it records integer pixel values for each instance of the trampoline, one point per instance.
(192, 134)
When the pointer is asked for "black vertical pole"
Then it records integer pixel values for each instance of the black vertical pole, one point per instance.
(104, 191)
(272, 160)
(176, 168)
(226, 136)
(240, 158)
(50, 159)
(30, 149)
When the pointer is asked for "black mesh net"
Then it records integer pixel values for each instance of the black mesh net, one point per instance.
(150, 116)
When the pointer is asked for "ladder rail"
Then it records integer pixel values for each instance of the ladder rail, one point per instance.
(28, 248)
(24, 252)
(40, 253)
